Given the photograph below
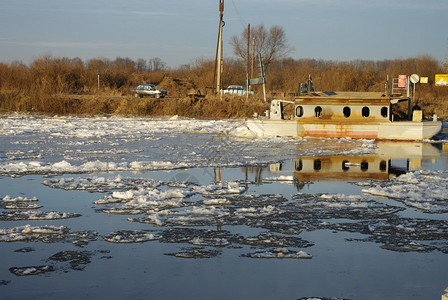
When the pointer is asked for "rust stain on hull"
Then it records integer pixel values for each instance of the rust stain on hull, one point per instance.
(366, 130)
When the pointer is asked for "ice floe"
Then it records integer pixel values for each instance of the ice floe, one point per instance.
(423, 190)
(35, 215)
(130, 236)
(279, 253)
(31, 270)
(196, 253)
(219, 189)
(101, 184)
(46, 234)
(62, 260)
(9, 199)
(19, 203)
(64, 167)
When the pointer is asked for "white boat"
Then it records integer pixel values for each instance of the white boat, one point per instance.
(345, 114)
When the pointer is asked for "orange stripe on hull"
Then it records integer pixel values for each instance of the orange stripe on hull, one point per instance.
(337, 133)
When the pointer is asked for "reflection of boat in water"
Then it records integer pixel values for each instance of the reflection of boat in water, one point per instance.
(341, 168)
(345, 114)
(383, 165)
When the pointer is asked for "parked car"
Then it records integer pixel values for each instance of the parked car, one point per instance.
(237, 90)
(148, 90)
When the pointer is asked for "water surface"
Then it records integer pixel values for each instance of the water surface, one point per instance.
(169, 208)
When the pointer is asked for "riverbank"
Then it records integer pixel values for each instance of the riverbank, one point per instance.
(92, 105)
(207, 107)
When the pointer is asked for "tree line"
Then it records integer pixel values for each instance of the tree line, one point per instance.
(49, 74)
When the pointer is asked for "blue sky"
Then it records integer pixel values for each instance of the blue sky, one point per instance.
(180, 31)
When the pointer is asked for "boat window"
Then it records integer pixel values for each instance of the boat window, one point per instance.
(347, 111)
(345, 168)
(299, 165)
(299, 111)
(365, 111)
(364, 166)
(384, 112)
(317, 164)
(383, 166)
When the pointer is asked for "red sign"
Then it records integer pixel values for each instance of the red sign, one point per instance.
(402, 81)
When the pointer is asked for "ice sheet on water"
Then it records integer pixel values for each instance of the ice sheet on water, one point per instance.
(196, 252)
(133, 202)
(65, 167)
(423, 190)
(119, 144)
(31, 270)
(9, 199)
(20, 206)
(199, 236)
(223, 188)
(24, 250)
(29, 230)
(46, 234)
(410, 234)
(203, 239)
(269, 239)
(85, 145)
(284, 219)
(19, 203)
(75, 259)
(342, 206)
(101, 184)
(191, 216)
(217, 201)
(114, 126)
(279, 253)
(131, 236)
(35, 215)
(63, 260)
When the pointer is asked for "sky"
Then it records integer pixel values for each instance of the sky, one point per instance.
(181, 31)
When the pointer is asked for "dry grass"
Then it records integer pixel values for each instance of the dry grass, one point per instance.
(208, 107)
(48, 84)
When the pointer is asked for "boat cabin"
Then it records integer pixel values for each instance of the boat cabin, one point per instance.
(333, 106)
(341, 106)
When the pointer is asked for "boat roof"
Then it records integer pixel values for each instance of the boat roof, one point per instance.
(334, 97)
(336, 94)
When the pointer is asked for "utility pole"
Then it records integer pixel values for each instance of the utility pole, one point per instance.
(253, 58)
(247, 61)
(218, 61)
(98, 79)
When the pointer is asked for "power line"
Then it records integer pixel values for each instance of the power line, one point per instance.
(238, 14)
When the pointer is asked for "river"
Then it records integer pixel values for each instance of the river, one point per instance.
(139, 208)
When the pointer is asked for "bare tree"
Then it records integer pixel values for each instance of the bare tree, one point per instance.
(141, 65)
(271, 44)
(124, 63)
(156, 64)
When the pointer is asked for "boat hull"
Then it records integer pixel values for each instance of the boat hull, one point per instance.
(403, 130)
